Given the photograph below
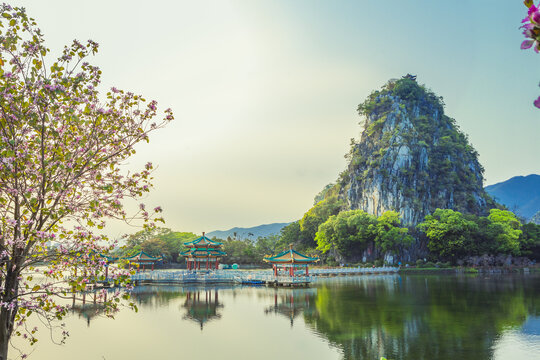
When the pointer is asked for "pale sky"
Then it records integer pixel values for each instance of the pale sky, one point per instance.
(265, 92)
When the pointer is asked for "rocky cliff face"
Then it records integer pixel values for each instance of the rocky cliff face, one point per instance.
(411, 158)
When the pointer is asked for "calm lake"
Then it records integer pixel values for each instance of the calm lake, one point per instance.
(364, 317)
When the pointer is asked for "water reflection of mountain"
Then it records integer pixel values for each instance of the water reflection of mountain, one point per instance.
(422, 317)
(292, 303)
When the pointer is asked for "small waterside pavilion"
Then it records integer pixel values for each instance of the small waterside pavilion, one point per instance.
(290, 260)
(143, 259)
(203, 250)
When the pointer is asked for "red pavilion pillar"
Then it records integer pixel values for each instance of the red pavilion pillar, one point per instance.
(307, 271)
(207, 264)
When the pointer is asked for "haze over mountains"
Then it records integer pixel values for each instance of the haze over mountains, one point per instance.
(520, 194)
(248, 233)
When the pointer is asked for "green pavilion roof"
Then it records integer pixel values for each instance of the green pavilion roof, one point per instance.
(206, 252)
(290, 256)
(109, 258)
(142, 256)
(203, 241)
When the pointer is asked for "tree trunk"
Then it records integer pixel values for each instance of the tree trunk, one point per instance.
(7, 315)
(5, 334)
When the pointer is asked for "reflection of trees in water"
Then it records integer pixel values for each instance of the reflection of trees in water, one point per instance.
(292, 302)
(202, 306)
(422, 317)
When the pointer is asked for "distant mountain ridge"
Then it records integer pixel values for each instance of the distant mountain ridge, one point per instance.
(520, 194)
(248, 233)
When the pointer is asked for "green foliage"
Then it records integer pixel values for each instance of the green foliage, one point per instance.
(407, 89)
(157, 241)
(250, 251)
(323, 193)
(509, 232)
(350, 232)
(347, 232)
(530, 240)
(389, 236)
(453, 235)
(450, 234)
(291, 234)
(317, 215)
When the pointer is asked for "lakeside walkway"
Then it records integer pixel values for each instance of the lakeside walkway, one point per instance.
(247, 277)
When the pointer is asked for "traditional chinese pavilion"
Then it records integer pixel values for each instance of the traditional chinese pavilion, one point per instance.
(203, 250)
(143, 260)
(290, 260)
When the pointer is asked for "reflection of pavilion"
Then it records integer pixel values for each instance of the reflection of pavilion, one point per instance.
(293, 303)
(90, 305)
(202, 306)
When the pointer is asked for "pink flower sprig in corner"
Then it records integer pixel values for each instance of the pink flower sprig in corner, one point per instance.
(531, 30)
(531, 27)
